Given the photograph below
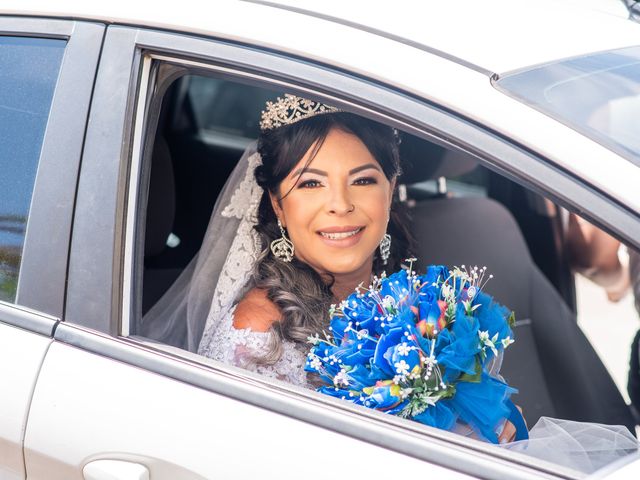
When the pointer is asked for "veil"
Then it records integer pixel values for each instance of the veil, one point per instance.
(218, 274)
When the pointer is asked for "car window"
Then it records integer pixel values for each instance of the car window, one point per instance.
(479, 216)
(28, 72)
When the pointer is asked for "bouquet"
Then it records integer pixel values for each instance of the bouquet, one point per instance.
(421, 347)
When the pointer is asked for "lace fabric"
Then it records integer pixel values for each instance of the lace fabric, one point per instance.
(237, 346)
(241, 256)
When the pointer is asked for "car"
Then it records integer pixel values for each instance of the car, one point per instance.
(119, 125)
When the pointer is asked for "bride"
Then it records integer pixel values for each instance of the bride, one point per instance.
(305, 218)
(323, 224)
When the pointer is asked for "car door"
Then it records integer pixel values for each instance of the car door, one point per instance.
(110, 404)
(46, 73)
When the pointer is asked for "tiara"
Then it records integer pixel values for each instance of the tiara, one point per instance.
(291, 109)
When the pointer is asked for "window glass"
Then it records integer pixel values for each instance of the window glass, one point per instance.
(225, 107)
(28, 72)
(598, 95)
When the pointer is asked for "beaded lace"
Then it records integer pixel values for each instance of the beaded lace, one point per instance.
(221, 340)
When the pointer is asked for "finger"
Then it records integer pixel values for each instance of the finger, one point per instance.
(508, 433)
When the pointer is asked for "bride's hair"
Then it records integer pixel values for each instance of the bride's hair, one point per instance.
(299, 292)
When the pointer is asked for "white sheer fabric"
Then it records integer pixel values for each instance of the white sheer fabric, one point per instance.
(217, 275)
(581, 446)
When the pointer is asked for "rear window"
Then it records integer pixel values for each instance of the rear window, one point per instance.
(29, 70)
(598, 95)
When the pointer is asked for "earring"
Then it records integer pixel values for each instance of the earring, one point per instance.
(282, 248)
(385, 248)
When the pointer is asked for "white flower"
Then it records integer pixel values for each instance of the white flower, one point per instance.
(471, 292)
(388, 302)
(402, 367)
(341, 378)
(404, 349)
(405, 392)
(507, 341)
(430, 360)
(316, 363)
(488, 342)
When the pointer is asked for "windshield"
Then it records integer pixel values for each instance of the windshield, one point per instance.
(598, 95)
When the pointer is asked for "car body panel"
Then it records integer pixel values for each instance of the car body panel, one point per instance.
(474, 34)
(477, 34)
(21, 355)
(189, 434)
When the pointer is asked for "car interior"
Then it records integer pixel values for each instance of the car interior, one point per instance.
(206, 122)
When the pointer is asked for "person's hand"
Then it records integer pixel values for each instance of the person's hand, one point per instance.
(594, 254)
(509, 430)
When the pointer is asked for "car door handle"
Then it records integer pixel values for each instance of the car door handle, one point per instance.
(115, 470)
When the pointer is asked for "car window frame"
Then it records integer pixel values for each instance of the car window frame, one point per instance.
(103, 248)
(41, 289)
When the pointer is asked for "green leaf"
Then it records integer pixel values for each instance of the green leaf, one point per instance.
(475, 378)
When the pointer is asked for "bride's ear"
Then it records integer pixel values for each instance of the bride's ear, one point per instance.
(275, 204)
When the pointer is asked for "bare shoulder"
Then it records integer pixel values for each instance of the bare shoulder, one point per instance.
(256, 311)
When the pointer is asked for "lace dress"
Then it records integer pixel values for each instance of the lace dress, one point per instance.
(236, 346)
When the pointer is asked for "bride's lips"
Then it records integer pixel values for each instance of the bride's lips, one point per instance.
(346, 236)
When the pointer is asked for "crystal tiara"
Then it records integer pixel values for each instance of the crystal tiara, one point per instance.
(290, 109)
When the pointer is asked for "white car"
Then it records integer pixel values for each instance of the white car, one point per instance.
(119, 124)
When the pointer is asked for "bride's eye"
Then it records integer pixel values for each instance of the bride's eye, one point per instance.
(365, 181)
(309, 184)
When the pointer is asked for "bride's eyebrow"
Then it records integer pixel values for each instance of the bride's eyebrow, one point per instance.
(364, 167)
(353, 171)
(300, 171)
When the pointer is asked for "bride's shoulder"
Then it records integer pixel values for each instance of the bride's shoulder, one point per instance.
(255, 311)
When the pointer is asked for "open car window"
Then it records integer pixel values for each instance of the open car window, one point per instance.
(205, 122)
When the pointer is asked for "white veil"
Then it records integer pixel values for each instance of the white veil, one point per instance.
(208, 287)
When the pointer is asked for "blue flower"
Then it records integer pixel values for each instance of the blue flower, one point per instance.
(384, 350)
(384, 396)
(435, 274)
(430, 305)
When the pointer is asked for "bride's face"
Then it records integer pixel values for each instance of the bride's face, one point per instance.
(336, 209)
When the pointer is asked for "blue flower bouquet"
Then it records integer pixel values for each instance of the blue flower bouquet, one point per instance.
(421, 347)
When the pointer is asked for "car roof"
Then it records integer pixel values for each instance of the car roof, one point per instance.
(492, 36)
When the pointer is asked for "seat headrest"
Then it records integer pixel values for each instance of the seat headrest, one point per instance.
(423, 160)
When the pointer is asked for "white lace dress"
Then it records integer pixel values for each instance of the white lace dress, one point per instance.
(237, 346)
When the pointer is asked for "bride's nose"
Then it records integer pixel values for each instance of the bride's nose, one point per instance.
(339, 202)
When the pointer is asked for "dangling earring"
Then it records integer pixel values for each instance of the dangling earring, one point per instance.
(282, 248)
(385, 248)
